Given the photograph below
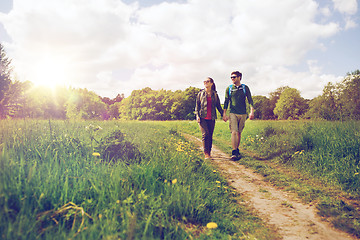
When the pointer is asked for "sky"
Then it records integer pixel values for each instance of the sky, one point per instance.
(117, 46)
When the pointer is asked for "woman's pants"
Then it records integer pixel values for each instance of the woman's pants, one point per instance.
(207, 129)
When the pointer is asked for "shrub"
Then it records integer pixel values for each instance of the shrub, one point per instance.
(115, 148)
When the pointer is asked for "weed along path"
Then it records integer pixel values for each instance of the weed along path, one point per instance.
(291, 218)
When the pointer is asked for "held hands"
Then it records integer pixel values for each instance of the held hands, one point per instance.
(225, 118)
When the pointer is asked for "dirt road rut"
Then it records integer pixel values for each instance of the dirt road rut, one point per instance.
(290, 217)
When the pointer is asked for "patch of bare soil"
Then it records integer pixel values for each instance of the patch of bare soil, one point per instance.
(291, 218)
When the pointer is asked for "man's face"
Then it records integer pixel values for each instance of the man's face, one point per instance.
(235, 79)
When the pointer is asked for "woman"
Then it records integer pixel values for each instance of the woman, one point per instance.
(207, 101)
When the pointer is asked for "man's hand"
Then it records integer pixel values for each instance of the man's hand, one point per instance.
(225, 118)
(251, 116)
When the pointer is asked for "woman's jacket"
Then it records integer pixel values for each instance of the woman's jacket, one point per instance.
(201, 104)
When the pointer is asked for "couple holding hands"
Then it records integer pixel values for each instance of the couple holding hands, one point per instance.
(207, 101)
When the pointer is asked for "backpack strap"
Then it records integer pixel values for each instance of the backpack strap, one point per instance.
(243, 87)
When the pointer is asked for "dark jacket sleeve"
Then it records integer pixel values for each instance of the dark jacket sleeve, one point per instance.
(226, 103)
(248, 95)
(197, 105)
(218, 105)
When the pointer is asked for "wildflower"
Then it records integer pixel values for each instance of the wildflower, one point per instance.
(100, 216)
(117, 201)
(96, 154)
(174, 181)
(211, 225)
(356, 174)
(217, 181)
(165, 181)
(214, 171)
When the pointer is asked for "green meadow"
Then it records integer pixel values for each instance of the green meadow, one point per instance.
(317, 160)
(113, 180)
(143, 180)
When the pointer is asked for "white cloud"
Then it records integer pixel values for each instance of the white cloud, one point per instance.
(346, 6)
(171, 45)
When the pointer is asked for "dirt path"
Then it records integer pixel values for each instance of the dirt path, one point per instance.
(289, 216)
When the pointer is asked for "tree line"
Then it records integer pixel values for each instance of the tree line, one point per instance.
(340, 101)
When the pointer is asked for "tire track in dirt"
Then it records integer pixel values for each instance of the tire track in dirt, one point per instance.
(292, 219)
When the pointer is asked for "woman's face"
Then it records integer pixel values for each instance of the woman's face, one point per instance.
(208, 83)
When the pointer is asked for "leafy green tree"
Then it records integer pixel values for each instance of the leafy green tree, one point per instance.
(5, 82)
(290, 105)
(84, 104)
(263, 108)
(42, 102)
(184, 104)
(274, 97)
(349, 99)
(148, 104)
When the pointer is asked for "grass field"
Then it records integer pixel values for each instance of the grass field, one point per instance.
(317, 160)
(113, 180)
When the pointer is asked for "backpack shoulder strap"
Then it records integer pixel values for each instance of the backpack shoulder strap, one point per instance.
(230, 87)
(244, 89)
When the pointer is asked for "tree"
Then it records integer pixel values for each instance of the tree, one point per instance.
(5, 82)
(274, 97)
(84, 104)
(349, 98)
(339, 101)
(184, 104)
(290, 105)
(263, 108)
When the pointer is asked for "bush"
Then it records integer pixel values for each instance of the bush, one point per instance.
(115, 148)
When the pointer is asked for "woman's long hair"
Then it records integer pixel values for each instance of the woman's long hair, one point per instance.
(213, 87)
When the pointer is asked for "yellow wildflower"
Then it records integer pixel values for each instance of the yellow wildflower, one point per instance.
(174, 181)
(96, 154)
(214, 171)
(217, 181)
(211, 225)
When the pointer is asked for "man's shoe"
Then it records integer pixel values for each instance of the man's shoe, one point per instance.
(238, 156)
(234, 155)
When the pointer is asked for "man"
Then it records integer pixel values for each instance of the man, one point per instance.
(235, 96)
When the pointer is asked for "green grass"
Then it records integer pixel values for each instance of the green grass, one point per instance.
(53, 184)
(318, 160)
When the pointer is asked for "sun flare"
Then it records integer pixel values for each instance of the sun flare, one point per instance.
(49, 72)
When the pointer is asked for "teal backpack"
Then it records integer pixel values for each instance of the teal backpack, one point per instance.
(243, 87)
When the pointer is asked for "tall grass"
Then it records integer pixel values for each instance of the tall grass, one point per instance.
(312, 158)
(54, 185)
(328, 150)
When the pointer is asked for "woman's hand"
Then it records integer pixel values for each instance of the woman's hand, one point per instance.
(225, 118)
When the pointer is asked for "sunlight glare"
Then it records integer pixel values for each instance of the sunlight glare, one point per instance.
(49, 72)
